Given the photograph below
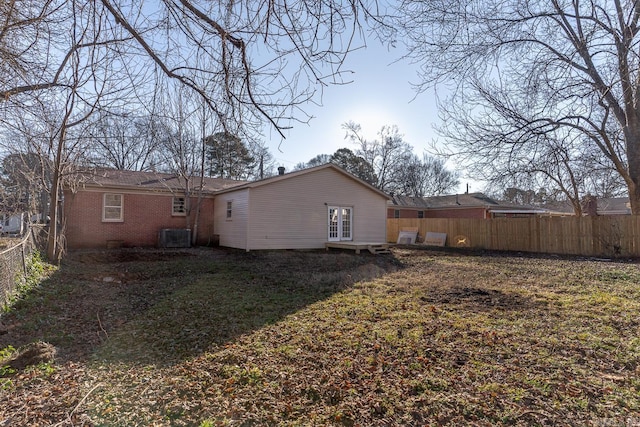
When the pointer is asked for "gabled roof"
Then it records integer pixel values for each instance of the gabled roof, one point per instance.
(450, 201)
(614, 206)
(605, 206)
(459, 201)
(150, 181)
(290, 175)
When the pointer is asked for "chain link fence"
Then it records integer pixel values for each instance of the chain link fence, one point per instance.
(13, 261)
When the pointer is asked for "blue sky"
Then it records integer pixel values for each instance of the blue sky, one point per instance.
(381, 94)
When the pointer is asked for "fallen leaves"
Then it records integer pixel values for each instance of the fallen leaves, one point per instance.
(290, 338)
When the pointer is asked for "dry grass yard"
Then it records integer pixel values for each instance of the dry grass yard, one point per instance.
(221, 338)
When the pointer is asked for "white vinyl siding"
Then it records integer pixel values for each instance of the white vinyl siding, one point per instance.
(292, 213)
(232, 231)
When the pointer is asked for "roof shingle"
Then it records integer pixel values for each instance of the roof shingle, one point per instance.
(115, 178)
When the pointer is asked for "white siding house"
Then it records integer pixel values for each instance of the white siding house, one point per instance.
(231, 218)
(12, 224)
(300, 210)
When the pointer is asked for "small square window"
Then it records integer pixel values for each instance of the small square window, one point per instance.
(229, 209)
(396, 213)
(179, 206)
(420, 214)
(112, 207)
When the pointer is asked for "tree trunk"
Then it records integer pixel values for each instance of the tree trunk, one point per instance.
(632, 136)
(53, 250)
(52, 241)
(634, 196)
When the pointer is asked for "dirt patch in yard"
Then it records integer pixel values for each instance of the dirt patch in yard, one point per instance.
(126, 255)
(479, 298)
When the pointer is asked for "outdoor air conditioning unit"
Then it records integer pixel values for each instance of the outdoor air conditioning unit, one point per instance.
(174, 238)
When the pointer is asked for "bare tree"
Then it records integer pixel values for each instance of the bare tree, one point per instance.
(271, 56)
(385, 154)
(180, 144)
(318, 160)
(425, 177)
(25, 27)
(550, 72)
(265, 162)
(60, 108)
(394, 166)
(125, 141)
(501, 148)
(21, 183)
(247, 60)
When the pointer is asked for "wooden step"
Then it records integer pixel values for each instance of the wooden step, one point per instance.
(379, 249)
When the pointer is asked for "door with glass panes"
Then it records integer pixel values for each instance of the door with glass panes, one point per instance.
(340, 223)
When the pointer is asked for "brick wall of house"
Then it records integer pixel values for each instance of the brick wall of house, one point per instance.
(456, 213)
(144, 216)
(404, 213)
(471, 212)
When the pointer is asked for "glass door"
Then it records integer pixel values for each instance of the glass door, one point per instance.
(340, 223)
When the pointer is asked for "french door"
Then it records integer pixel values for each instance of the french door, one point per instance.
(340, 223)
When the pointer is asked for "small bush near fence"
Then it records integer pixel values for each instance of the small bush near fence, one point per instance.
(599, 236)
(15, 262)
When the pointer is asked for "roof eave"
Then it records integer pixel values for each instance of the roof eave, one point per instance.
(124, 188)
(294, 174)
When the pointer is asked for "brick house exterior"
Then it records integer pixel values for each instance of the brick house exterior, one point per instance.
(468, 205)
(592, 206)
(126, 208)
(303, 209)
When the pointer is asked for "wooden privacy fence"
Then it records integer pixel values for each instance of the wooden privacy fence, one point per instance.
(586, 236)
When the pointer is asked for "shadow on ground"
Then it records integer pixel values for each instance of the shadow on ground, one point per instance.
(159, 306)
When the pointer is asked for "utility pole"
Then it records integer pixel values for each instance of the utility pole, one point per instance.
(261, 166)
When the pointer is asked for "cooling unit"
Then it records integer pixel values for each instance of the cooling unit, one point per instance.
(174, 238)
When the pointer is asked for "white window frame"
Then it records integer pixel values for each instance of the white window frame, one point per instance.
(179, 206)
(229, 210)
(112, 206)
(339, 217)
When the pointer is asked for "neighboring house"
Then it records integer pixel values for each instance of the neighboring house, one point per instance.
(300, 210)
(12, 224)
(613, 206)
(468, 205)
(126, 208)
(594, 206)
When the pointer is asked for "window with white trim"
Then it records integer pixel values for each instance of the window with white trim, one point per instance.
(112, 207)
(179, 206)
(346, 217)
(229, 209)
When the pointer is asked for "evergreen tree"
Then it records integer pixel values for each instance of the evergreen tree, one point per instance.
(228, 157)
